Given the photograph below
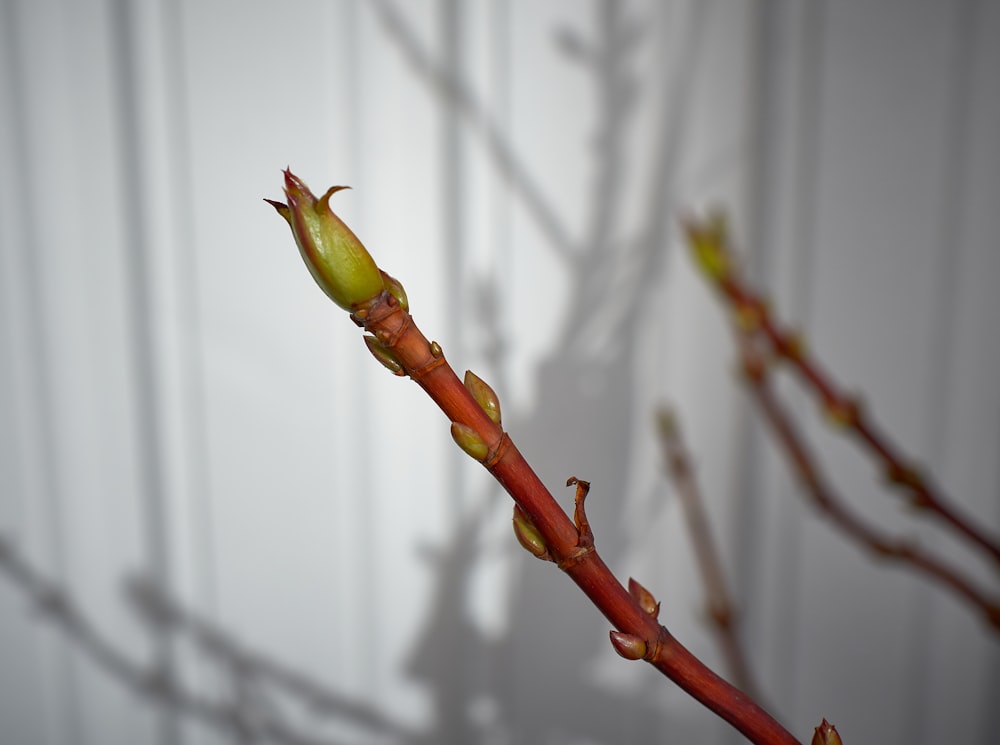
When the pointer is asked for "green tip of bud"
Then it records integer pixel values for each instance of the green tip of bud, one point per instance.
(629, 646)
(644, 598)
(666, 422)
(528, 535)
(485, 396)
(337, 260)
(709, 240)
(826, 734)
(469, 440)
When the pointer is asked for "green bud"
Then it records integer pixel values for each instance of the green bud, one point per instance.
(337, 260)
(470, 441)
(384, 355)
(708, 240)
(629, 646)
(484, 395)
(527, 534)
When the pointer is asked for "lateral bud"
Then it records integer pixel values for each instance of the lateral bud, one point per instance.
(384, 355)
(629, 646)
(842, 412)
(528, 535)
(749, 316)
(644, 598)
(394, 288)
(826, 734)
(485, 396)
(469, 440)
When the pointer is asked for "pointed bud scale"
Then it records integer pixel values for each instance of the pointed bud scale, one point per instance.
(469, 440)
(384, 355)
(644, 598)
(394, 288)
(528, 535)
(629, 646)
(484, 395)
(826, 734)
(337, 260)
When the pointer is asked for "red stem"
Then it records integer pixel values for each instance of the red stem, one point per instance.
(785, 344)
(835, 508)
(569, 543)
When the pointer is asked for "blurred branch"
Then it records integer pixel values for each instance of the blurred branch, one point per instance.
(456, 94)
(719, 606)
(710, 244)
(762, 341)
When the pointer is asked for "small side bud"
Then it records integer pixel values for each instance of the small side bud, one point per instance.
(436, 351)
(753, 366)
(629, 646)
(528, 535)
(384, 355)
(905, 476)
(794, 346)
(644, 598)
(748, 316)
(826, 734)
(394, 288)
(842, 412)
(485, 396)
(470, 441)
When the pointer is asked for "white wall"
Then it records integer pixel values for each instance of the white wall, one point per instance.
(203, 474)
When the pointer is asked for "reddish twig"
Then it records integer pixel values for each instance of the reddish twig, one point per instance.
(719, 606)
(345, 271)
(880, 543)
(751, 312)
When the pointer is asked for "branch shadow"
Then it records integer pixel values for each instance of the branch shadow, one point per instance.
(585, 382)
(472, 677)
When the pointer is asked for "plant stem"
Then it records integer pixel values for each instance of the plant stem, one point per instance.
(785, 344)
(719, 604)
(569, 543)
(830, 502)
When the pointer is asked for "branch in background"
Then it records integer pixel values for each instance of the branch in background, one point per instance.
(345, 271)
(710, 243)
(719, 605)
(880, 543)
(760, 342)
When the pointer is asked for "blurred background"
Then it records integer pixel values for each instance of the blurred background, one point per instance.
(222, 522)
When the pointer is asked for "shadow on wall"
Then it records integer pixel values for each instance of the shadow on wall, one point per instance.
(468, 675)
